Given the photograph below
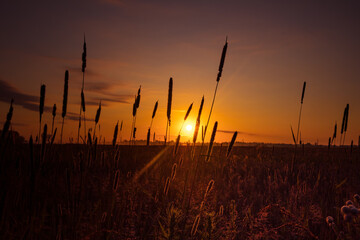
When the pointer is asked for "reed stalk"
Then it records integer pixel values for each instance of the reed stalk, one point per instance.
(152, 118)
(168, 112)
(115, 134)
(64, 106)
(334, 134)
(346, 122)
(41, 106)
(7, 123)
(301, 104)
(135, 107)
(53, 119)
(82, 105)
(97, 117)
(233, 139)
(221, 65)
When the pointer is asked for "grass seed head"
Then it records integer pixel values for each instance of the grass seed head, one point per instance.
(170, 92)
(97, 117)
(65, 95)
(233, 139)
(42, 100)
(195, 225)
(209, 187)
(212, 139)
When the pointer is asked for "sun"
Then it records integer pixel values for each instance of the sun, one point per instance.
(188, 128)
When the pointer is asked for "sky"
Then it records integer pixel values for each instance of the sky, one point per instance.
(273, 47)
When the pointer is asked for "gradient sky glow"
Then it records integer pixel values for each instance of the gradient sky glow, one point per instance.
(274, 46)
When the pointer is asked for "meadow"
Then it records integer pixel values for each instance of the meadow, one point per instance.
(52, 189)
(147, 192)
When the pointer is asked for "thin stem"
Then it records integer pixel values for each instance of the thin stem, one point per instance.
(39, 132)
(340, 139)
(212, 105)
(78, 136)
(82, 89)
(151, 123)
(62, 127)
(132, 129)
(182, 125)
(297, 134)
(52, 126)
(167, 124)
(94, 132)
(84, 127)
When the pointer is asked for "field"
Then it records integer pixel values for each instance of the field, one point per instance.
(81, 189)
(87, 191)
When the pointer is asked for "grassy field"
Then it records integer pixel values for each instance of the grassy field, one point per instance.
(148, 192)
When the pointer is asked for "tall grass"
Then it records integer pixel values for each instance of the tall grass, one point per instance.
(344, 124)
(65, 99)
(182, 125)
(212, 139)
(115, 134)
(97, 118)
(152, 119)
(221, 65)
(135, 107)
(334, 134)
(232, 142)
(7, 123)
(301, 104)
(43, 144)
(82, 95)
(41, 106)
(53, 119)
(197, 125)
(168, 110)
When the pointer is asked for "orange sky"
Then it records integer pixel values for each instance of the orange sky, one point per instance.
(273, 49)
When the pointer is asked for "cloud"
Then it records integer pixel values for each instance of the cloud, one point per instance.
(15, 124)
(239, 132)
(75, 117)
(117, 99)
(27, 101)
(89, 72)
(104, 89)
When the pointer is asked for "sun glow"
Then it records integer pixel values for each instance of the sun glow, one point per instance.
(188, 128)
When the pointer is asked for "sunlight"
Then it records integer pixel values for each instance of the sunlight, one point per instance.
(188, 128)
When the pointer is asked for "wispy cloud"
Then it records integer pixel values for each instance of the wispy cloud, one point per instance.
(239, 132)
(27, 101)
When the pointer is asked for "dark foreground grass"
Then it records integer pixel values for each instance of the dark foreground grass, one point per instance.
(105, 192)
